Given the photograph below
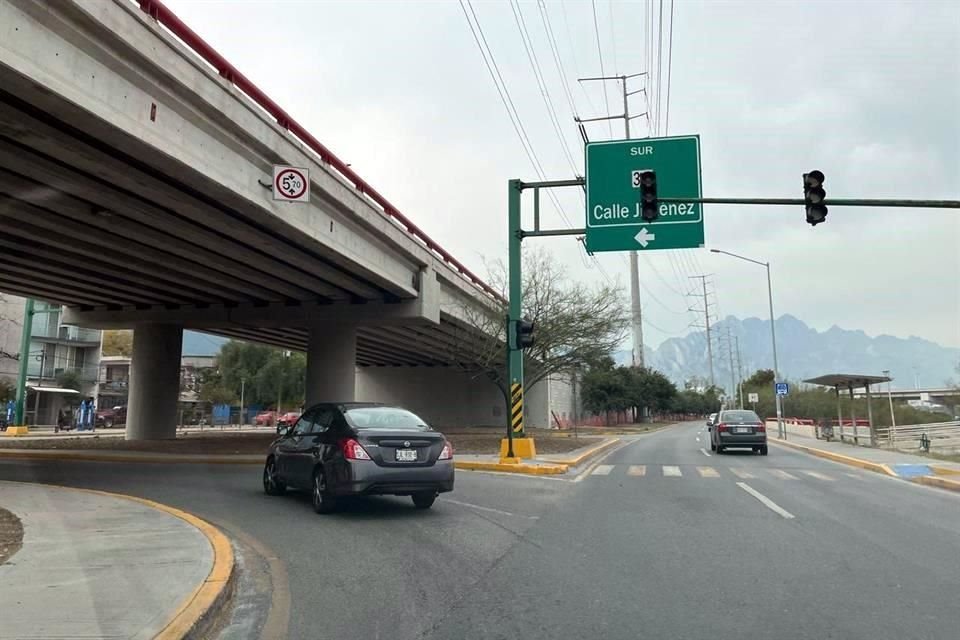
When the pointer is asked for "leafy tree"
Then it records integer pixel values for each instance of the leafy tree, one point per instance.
(265, 373)
(760, 378)
(575, 325)
(69, 379)
(606, 388)
(118, 343)
(8, 390)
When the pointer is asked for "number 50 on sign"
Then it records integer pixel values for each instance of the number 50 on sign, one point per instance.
(291, 184)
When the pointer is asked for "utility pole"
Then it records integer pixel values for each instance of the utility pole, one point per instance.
(636, 311)
(733, 382)
(739, 370)
(706, 314)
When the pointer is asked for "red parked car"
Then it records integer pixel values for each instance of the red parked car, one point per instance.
(265, 418)
(288, 419)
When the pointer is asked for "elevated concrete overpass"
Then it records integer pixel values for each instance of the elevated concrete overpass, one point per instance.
(133, 165)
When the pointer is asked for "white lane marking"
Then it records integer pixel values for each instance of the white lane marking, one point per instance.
(767, 502)
(490, 509)
(673, 472)
(637, 470)
(704, 452)
(818, 475)
(742, 473)
(602, 470)
(708, 472)
(854, 476)
(780, 473)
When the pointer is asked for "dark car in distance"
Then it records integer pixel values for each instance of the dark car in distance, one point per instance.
(360, 449)
(738, 428)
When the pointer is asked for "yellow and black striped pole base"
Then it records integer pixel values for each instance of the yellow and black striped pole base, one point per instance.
(516, 409)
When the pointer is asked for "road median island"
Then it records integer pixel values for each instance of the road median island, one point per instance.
(65, 552)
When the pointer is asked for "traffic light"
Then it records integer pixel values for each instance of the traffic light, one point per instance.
(524, 332)
(814, 195)
(649, 209)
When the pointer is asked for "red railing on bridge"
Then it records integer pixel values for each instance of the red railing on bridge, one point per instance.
(162, 14)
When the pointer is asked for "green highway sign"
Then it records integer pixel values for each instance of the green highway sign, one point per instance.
(613, 202)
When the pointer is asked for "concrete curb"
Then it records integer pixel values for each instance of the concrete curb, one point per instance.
(944, 471)
(525, 469)
(938, 481)
(203, 603)
(836, 457)
(586, 455)
(92, 456)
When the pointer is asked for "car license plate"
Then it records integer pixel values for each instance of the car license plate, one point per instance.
(742, 430)
(406, 455)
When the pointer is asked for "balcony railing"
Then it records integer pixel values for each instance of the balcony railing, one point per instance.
(47, 326)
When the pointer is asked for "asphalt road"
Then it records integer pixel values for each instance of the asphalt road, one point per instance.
(658, 540)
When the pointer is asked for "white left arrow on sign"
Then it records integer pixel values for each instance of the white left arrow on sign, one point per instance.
(644, 237)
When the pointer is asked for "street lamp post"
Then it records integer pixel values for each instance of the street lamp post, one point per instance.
(893, 419)
(781, 432)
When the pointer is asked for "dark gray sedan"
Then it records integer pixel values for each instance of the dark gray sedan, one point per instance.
(359, 449)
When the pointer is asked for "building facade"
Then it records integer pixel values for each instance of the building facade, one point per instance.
(63, 362)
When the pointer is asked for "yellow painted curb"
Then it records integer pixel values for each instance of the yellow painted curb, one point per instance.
(529, 469)
(89, 456)
(589, 453)
(936, 481)
(17, 431)
(836, 457)
(195, 606)
(944, 471)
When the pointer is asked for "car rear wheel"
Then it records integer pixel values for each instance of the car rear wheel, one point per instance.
(323, 502)
(713, 447)
(424, 499)
(719, 449)
(763, 450)
(272, 485)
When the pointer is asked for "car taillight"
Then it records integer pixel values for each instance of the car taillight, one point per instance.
(447, 452)
(760, 426)
(353, 450)
(722, 427)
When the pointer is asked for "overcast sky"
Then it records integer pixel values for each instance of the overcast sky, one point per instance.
(867, 92)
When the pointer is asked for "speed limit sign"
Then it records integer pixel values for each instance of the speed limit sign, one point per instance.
(291, 184)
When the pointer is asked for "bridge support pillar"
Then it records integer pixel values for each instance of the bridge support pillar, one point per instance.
(331, 364)
(154, 382)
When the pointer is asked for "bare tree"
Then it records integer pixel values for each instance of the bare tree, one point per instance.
(574, 324)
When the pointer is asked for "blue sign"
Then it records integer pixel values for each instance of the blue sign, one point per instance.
(782, 388)
(221, 414)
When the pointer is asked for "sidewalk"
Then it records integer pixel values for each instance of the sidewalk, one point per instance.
(95, 565)
(903, 465)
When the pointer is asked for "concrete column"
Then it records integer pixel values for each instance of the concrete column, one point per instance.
(331, 364)
(154, 382)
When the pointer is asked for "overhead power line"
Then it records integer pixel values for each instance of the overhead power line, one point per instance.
(557, 59)
(541, 82)
(596, 31)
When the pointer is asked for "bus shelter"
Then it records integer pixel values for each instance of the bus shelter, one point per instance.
(850, 382)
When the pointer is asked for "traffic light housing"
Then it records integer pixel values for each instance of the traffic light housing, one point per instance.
(523, 329)
(814, 196)
(649, 208)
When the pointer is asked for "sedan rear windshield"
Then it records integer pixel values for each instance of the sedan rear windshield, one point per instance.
(739, 416)
(385, 418)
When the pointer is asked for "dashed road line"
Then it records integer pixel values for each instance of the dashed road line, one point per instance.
(818, 475)
(637, 470)
(602, 470)
(707, 472)
(767, 502)
(704, 452)
(490, 509)
(783, 475)
(671, 471)
(742, 473)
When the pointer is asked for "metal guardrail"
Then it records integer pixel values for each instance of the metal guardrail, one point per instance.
(942, 437)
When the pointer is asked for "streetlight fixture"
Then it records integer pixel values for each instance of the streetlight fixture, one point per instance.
(781, 432)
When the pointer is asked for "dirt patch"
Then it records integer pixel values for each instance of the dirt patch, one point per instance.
(472, 440)
(11, 535)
